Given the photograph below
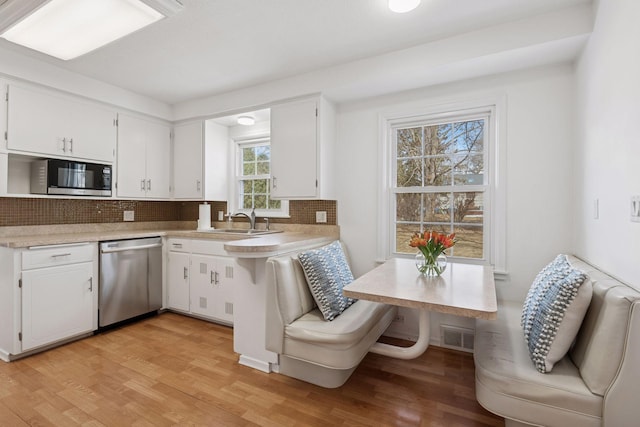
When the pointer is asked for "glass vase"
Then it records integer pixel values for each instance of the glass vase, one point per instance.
(431, 265)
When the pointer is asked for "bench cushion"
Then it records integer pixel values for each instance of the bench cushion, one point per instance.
(341, 343)
(508, 382)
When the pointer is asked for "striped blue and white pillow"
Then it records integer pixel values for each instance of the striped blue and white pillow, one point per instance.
(327, 272)
(553, 311)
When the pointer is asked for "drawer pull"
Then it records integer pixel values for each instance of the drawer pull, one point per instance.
(90, 284)
(185, 273)
(61, 255)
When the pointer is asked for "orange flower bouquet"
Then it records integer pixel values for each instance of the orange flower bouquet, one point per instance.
(431, 260)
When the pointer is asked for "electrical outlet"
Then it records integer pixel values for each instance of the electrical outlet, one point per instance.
(128, 216)
(321, 216)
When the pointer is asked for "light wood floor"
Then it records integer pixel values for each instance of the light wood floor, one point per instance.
(175, 370)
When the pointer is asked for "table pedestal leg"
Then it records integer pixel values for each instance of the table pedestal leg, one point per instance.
(416, 349)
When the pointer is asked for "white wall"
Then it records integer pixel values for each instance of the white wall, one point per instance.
(608, 155)
(539, 172)
(20, 67)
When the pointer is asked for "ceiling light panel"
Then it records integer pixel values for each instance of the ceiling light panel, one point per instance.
(402, 6)
(69, 28)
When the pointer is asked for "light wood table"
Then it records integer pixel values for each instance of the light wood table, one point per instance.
(462, 289)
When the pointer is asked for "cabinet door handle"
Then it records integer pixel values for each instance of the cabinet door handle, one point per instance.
(198, 185)
(186, 273)
(148, 185)
(217, 278)
(90, 284)
(61, 255)
(71, 145)
(64, 145)
(213, 275)
(142, 187)
(274, 182)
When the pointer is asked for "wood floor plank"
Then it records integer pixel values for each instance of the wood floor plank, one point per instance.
(175, 370)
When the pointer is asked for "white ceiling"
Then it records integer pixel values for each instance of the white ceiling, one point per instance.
(213, 47)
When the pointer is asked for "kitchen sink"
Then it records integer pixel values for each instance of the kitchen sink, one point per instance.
(238, 232)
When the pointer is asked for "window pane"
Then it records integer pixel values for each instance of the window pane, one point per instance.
(469, 241)
(247, 202)
(437, 171)
(263, 152)
(260, 186)
(409, 173)
(435, 140)
(469, 208)
(247, 186)
(408, 207)
(263, 168)
(248, 154)
(260, 201)
(437, 207)
(409, 142)
(469, 170)
(248, 169)
(274, 204)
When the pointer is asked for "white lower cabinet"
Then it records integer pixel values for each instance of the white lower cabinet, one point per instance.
(178, 281)
(200, 280)
(57, 302)
(47, 295)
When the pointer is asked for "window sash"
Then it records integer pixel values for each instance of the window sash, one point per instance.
(485, 188)
(239, 193)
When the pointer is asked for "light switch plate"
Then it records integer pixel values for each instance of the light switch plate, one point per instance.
(220, 216)
(128, 216)
(635, 208)
(321, 216)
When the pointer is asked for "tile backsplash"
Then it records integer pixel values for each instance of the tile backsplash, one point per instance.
(16, 211)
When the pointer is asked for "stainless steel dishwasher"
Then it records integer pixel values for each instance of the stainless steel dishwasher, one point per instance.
(130, 279)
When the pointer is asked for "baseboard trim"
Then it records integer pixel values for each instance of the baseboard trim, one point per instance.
(260, 365)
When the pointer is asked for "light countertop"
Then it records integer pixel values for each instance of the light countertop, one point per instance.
(238, 245)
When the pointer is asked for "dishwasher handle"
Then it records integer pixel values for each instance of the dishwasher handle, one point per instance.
(131, 248)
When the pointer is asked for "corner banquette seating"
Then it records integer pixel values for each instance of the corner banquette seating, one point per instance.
(310, 348)
(597, 383)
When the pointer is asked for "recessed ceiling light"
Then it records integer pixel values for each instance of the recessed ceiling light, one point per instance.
(246, 120)
(67, 29)
(402, 6)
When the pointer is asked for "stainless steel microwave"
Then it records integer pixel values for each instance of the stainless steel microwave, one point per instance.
(53, 176)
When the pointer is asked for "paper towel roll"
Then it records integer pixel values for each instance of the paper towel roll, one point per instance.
(204, 220)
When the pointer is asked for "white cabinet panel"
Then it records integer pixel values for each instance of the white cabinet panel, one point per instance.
(188, 161)
(53, 124)
(293, 150)
(143, 167)
(199, 281)
(212, 287)
(178, 281)
(57, 303)
(302, 149)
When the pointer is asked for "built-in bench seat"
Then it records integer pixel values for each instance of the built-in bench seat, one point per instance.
(310, 348)
(597, 383)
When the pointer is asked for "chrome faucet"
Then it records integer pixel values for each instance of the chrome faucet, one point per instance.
(251, 218)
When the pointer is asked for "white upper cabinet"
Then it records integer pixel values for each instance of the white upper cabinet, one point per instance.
(48, 123)
(143, 166)
(188, 160)
(302, 141)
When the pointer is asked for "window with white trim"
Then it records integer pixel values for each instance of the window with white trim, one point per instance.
(441, 173)
(253, 178)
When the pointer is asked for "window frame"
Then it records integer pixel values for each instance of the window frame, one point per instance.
(236, 196)
(493, 188)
